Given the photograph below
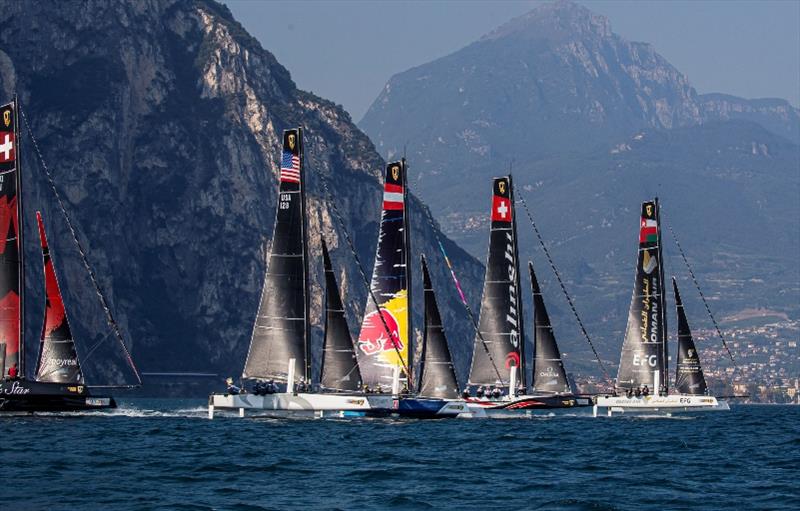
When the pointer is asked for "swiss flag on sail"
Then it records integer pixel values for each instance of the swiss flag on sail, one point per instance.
(7, 146)
(501, 209)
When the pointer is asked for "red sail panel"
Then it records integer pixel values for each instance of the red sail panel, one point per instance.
(10, 254)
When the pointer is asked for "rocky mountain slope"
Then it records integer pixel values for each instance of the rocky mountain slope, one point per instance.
(161, 122)
(593, 125)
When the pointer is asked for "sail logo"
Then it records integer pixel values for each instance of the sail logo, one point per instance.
(639, 360)
(374, 337)
(6, 146)
(650, 311)
(7, 118)
(511, 316)
(63, 362)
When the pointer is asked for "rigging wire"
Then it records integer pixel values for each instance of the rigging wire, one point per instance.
(702, 297)
(564, 289)
(434, 229)
(388, 331)
(84, 259)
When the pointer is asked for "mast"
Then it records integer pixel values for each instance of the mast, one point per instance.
(58, 358)
(437, 374)
(339, 365)
(500, 324)
(383, 342)
(664, 344)
(406, 263)
(689, 377)
(548, 368)
(643, 350)
(281, 330)
(12, 283)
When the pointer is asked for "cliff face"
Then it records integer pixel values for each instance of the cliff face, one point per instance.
(161, 121)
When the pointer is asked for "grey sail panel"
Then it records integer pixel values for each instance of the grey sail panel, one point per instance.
(438, 376)
(644, 347)
(548, 368)
(339, 364)
(689, 377)
(500, 323)
(280, 332)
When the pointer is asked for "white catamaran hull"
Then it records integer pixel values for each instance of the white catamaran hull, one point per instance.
(302, 404)
(657, 404)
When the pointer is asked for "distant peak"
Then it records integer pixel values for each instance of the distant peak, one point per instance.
(555, 20)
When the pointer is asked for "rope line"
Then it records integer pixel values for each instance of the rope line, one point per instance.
(82, 253)
(564, 289)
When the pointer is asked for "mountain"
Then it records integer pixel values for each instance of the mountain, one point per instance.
(161, 123)
(592, 124)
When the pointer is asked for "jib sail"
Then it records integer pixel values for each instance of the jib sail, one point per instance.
(281, 329)
(58, 359)
(437, 374)
(383, 343)
(689, 377)
(339, 364)
(548, 369)
(11, 274)
(644, 348)
(500, 324)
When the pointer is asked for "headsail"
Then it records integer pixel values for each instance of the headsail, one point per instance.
(339, 365)
(548, 369)
(58, 359)
(437, 374)
(501, 323)
(689, 377)
(644, 348)
(281, 328)
(11, 270)
(378, 353)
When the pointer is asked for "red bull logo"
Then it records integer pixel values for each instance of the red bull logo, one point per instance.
(374, 338)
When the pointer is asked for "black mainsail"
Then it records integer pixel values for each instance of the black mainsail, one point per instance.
(437, 374)
(383, 343)
(281, 330)
(11, 268)
(644, 350)
(500, 324)
(689, 377)
(548, 368)
(339, 365)
(58, 358)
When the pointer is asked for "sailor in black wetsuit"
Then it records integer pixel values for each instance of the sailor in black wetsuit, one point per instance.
(232, 389)
(645, 391)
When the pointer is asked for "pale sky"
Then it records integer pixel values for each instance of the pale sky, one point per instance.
(346, 50)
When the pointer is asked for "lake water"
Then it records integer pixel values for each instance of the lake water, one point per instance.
(166, 454)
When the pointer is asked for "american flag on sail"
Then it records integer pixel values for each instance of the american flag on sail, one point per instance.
(290, 167)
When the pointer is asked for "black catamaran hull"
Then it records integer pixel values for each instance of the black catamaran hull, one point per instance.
(532, 402)
(29, 396)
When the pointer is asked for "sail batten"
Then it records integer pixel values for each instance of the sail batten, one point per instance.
(689, 378)
(437, 374)
(383, 342)
(549, 374)
(281, 330)
(644, 347)
(500, 345)
(339, 365)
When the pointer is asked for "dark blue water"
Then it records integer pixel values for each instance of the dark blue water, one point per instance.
(168, 455)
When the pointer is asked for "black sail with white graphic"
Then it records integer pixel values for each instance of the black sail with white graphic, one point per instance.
(548, 369)
(438, 376)
(281, 332)
(644, 348)
(501, 323)
(689, 377)
(339, 365)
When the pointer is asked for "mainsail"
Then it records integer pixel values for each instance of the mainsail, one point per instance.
(501, 324)
(383, 343)
(438, 376)
(339, 365)
(548, 369)
(644, 350)
(11, 273)
(281, 330)
(689, 377)
(58, 359)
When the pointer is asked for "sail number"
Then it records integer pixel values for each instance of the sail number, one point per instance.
(285, 201)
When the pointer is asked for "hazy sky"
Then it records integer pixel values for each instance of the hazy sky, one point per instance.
(345, 51)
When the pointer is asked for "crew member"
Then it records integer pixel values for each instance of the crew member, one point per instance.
(13, 371)
(645, 391)
(232, 389)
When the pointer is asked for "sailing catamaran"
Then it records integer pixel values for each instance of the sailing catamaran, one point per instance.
(280, 342)
(58, 383)
(643, 362)
(499, 359)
